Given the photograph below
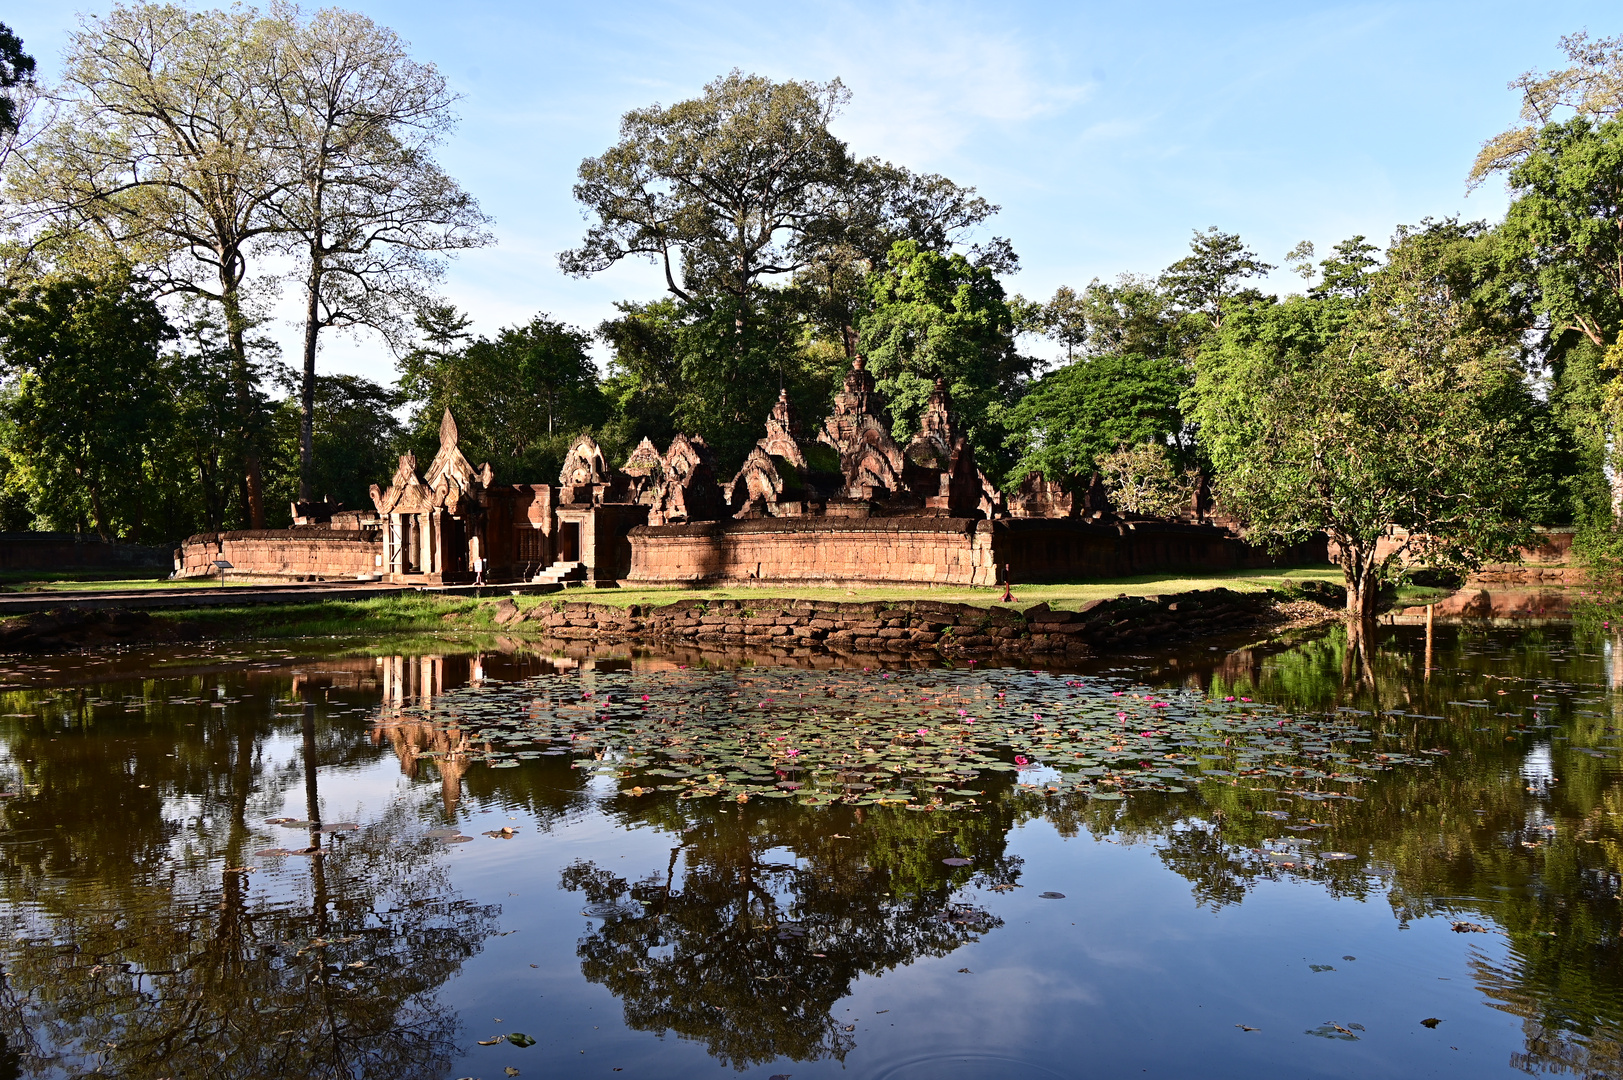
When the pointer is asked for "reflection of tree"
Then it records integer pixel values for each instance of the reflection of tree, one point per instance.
(747, 947)
(136, 946)
(159, 978)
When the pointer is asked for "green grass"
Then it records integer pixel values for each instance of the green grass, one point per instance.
(381, 619)
(1063, 596)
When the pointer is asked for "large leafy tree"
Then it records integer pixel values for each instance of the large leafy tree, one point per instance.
(1398, 427)
(161, 152)
(940, 316)
(85, 357)
(1073, 416)
(1564, 228)
(1212, 274)
(719, 190)
(518, 397)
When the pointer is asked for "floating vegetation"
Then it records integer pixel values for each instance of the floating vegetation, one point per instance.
(916, 740)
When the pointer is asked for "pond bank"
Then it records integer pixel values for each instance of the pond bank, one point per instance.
(926, 627)
(920, 626)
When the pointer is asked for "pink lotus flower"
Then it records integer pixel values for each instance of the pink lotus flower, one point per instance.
(645, 697)
(962, 713)
(792, 752)
(1122, 717)
(924, 731)
(1037, 718)
(1020, 760)
(1229, 698)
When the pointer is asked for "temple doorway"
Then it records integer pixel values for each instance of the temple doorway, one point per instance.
(569, 541)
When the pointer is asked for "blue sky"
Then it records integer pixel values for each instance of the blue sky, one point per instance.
(1107, 132)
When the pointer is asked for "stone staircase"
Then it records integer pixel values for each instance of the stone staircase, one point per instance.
(560, 573)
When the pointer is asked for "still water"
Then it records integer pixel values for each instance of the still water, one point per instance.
(1268, 861)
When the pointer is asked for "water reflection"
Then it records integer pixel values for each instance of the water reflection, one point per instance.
(144, 936)
(139, 940)
(764, 917)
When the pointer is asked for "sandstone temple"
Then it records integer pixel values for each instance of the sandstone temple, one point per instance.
(840, 503)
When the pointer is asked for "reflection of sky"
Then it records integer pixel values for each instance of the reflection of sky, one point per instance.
(1537, 767)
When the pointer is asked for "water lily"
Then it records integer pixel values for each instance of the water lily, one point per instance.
(791, 752)
(1020, 760)
(924, 731)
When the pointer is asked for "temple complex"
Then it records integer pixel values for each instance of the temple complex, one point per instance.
(846, 505)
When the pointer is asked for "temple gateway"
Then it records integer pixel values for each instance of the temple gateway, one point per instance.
(844, 504)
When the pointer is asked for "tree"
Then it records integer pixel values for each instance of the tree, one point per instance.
(719, 190)
(1347, 271)
(1072, 417)
(1592, 88)
(1398, 428)
(16, 69)
(518, 398)
(162, 152)
(85, 356)
(1144, 480)
(366, 207)
(679, 366)
(1065, 319)
(1563, 228)
(936, 316)
(1210, 275)
(878, 205)
(357, 440)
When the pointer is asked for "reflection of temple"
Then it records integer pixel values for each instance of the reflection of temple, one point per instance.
(846, 504)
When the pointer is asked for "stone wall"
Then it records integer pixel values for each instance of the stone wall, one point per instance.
(75, 551)
(936, 551)
(304, 554)
(905, 626)
(946, 551)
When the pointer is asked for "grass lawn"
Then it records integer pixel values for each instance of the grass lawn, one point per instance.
(1064, 596)
(381, 617)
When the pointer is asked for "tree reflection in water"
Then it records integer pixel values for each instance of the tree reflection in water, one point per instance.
(764, 917)
(134, 945)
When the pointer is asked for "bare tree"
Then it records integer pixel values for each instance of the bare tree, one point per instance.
(364, 206)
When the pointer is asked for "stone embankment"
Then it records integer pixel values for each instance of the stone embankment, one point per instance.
(910, 626)
(70, 628)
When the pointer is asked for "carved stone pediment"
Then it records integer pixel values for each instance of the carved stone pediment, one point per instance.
(451, 476)
(584, 464)
(406, 493)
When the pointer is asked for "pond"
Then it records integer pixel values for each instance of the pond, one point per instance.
(1285, 859)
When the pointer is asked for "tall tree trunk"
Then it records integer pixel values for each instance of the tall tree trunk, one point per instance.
(236, 338)
(307, 392)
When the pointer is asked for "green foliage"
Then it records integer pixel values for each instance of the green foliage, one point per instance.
(16, 69)
(721, 189)
(1144, 480)
(357, 441)
(941, 316)
(1352, 419)
(1071, 417)
(1209, 277)
(685, 366)
(518, 399)
(1563, 229)
(87, 398)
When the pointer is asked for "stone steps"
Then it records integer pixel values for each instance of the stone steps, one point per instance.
(560, 572)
